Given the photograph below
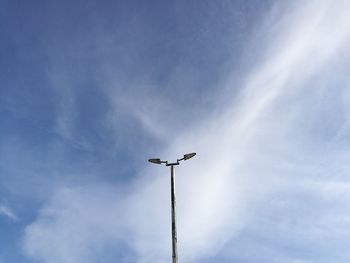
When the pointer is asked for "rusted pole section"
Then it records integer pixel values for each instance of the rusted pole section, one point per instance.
(173, 215)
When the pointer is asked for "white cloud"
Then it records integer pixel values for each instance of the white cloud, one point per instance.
(264, 154)
(6, 211)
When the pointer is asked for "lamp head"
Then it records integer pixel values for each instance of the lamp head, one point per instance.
(189, 156)
(155, 160)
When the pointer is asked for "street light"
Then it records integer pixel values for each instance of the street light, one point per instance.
(173, 199)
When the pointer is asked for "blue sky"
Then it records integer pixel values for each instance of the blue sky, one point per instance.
(89, 90)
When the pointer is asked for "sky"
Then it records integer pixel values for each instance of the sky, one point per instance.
(90, 90)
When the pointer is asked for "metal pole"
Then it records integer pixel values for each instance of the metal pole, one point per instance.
(173, 215)
(173, 199)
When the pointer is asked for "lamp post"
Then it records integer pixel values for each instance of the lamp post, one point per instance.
(173, 199)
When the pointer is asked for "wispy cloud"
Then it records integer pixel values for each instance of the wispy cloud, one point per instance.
(269, 177)
(6, 211)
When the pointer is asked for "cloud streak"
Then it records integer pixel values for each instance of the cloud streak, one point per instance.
(6, 211)
(264, 178)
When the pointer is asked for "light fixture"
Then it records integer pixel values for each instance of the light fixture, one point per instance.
(189, 156)
(156, 161)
